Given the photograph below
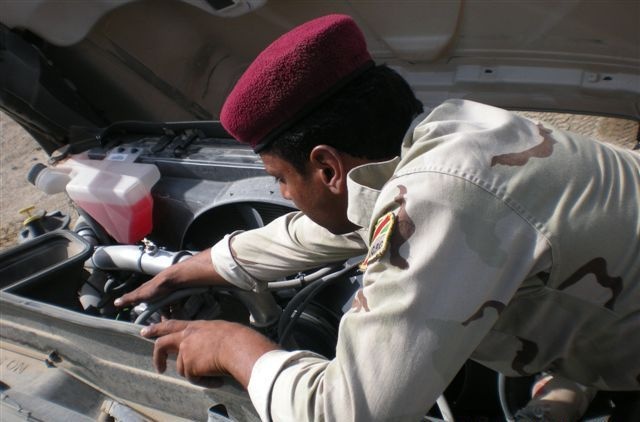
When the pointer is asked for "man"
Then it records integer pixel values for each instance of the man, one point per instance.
(490, 237)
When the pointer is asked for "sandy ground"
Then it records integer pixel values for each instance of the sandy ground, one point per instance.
(19, 152)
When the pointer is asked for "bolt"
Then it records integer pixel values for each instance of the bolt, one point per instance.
(150, 248)
(52, 358)
(593, 77)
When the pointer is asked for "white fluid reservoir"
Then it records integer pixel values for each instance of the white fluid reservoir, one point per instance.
(115, 191)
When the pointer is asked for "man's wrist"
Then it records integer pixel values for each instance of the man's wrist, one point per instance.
(242, 348)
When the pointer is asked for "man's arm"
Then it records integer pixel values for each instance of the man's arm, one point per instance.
(193, 272)
(287, 245)
(208, 348)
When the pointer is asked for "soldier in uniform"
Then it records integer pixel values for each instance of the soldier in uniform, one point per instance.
(488, 237)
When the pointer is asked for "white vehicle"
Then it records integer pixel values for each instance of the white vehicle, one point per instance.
(96, 83)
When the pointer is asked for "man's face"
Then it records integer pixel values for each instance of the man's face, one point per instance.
(310, 194)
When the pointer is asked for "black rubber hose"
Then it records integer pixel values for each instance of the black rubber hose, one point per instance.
(296, 306)
(502, 395)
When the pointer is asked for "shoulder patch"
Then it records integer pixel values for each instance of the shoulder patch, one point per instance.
(380, 239)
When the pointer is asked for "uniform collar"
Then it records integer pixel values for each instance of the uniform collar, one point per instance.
(364, 184)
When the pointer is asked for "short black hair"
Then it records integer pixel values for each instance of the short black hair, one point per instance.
(367, 118)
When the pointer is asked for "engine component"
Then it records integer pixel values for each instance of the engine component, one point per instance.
(116, 191)
(39, 222)
(296, 306)
(92, 291)
(148, 259)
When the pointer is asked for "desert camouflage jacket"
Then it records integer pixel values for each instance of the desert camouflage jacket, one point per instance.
(493, 238)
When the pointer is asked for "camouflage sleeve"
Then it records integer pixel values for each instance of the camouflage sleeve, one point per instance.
(287, 245)
(452, 260)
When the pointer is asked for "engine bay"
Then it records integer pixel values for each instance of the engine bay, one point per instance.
(207, 186)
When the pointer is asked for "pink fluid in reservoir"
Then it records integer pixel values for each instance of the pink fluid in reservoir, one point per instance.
(125, 223)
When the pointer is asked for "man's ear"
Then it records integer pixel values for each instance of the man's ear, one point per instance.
(326, 163)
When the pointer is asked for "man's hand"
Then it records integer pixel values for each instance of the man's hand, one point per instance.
(156, 288)
(197, 271)
(208, 348)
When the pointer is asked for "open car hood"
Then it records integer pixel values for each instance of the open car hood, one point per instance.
(93, 63)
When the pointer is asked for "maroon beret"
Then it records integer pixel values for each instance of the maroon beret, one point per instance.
(292, 76)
